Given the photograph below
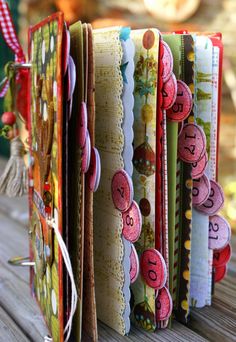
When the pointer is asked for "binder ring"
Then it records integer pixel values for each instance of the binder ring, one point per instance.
(21, 261)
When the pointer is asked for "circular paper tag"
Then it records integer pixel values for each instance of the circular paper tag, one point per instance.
(86, 154)
(219, 232)
(98, 174)
(191, 143)
(220, 272)
(153, 268)
(164, 304)
(220, 258)
(215, 200)
(132, 223)
(167, 60)
(82, 125)
(122, 190)
(201, 190)
(199, 167)
(134, 265)
(182, 105)
(93, 170)
(169, 92)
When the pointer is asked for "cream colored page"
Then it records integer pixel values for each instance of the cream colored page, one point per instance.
(108, 245)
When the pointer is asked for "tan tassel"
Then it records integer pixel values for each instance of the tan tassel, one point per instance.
(13, 181)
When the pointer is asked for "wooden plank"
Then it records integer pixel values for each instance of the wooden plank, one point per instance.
(9, 331)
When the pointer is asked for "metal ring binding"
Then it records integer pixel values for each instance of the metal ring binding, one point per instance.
(21, 261)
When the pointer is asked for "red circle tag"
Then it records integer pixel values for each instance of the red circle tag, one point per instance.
(198, 168)
(182, 105)
(153, 268)
(220, 273)
(82, 125)
(201, 190)
(169, 92)
(164, 304)
(167, 60)
(220, 258)
(134, 265)
(122, 190)
(219, 232)
(132, 223)
(93, 170)
(215, 200)
(191, 143)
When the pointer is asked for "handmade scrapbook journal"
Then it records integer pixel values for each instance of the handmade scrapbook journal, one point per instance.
(124, 202)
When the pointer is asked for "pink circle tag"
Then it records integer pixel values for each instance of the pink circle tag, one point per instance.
(199, 167)
(167, 60)
(132, 223)
(191, 143)
(182, 105)
(219, 232)
(153, 268)
(220, 273)
(220, 258)
(98, 173)
(215, 200)
(164, 304)
(82, 125)
(169, 92)
(86, 154)
(92, 172)
(122, 190)
(134, 265)
(201, 190)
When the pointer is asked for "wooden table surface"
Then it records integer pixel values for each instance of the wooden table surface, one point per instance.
(21, 320)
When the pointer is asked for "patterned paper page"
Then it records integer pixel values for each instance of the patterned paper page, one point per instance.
(109, 252)
(145, 92)
(200, 222)
(46, 172)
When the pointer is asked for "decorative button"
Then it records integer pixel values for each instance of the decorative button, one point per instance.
(132, 223)
(215, 200)
(220, 273)
(82, 125)
(220, 258)
(167, 60)
(153, 268)
(164, 304)
(169, 92)
(199, 167)
(182, 105)
(122, 190)
(94, 171)
(134, 265)
(191, 143)
(86, 154)
(201, 190)
(219, 232)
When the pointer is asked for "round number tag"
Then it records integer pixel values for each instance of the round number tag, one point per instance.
(86, 154)
(191, 143)
(134, 265)
(164, 304)
(132, 223)
(167, 60)
(122, 190)
(182, 105)
(94, 170)
(153, 268)
(198, 168)
(215, 200)
(82, 125)
(220, 272)
(201, 190)
(169, 92)
(219, 232)
(220, 258)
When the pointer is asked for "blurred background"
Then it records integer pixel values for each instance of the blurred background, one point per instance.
(166, 15)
